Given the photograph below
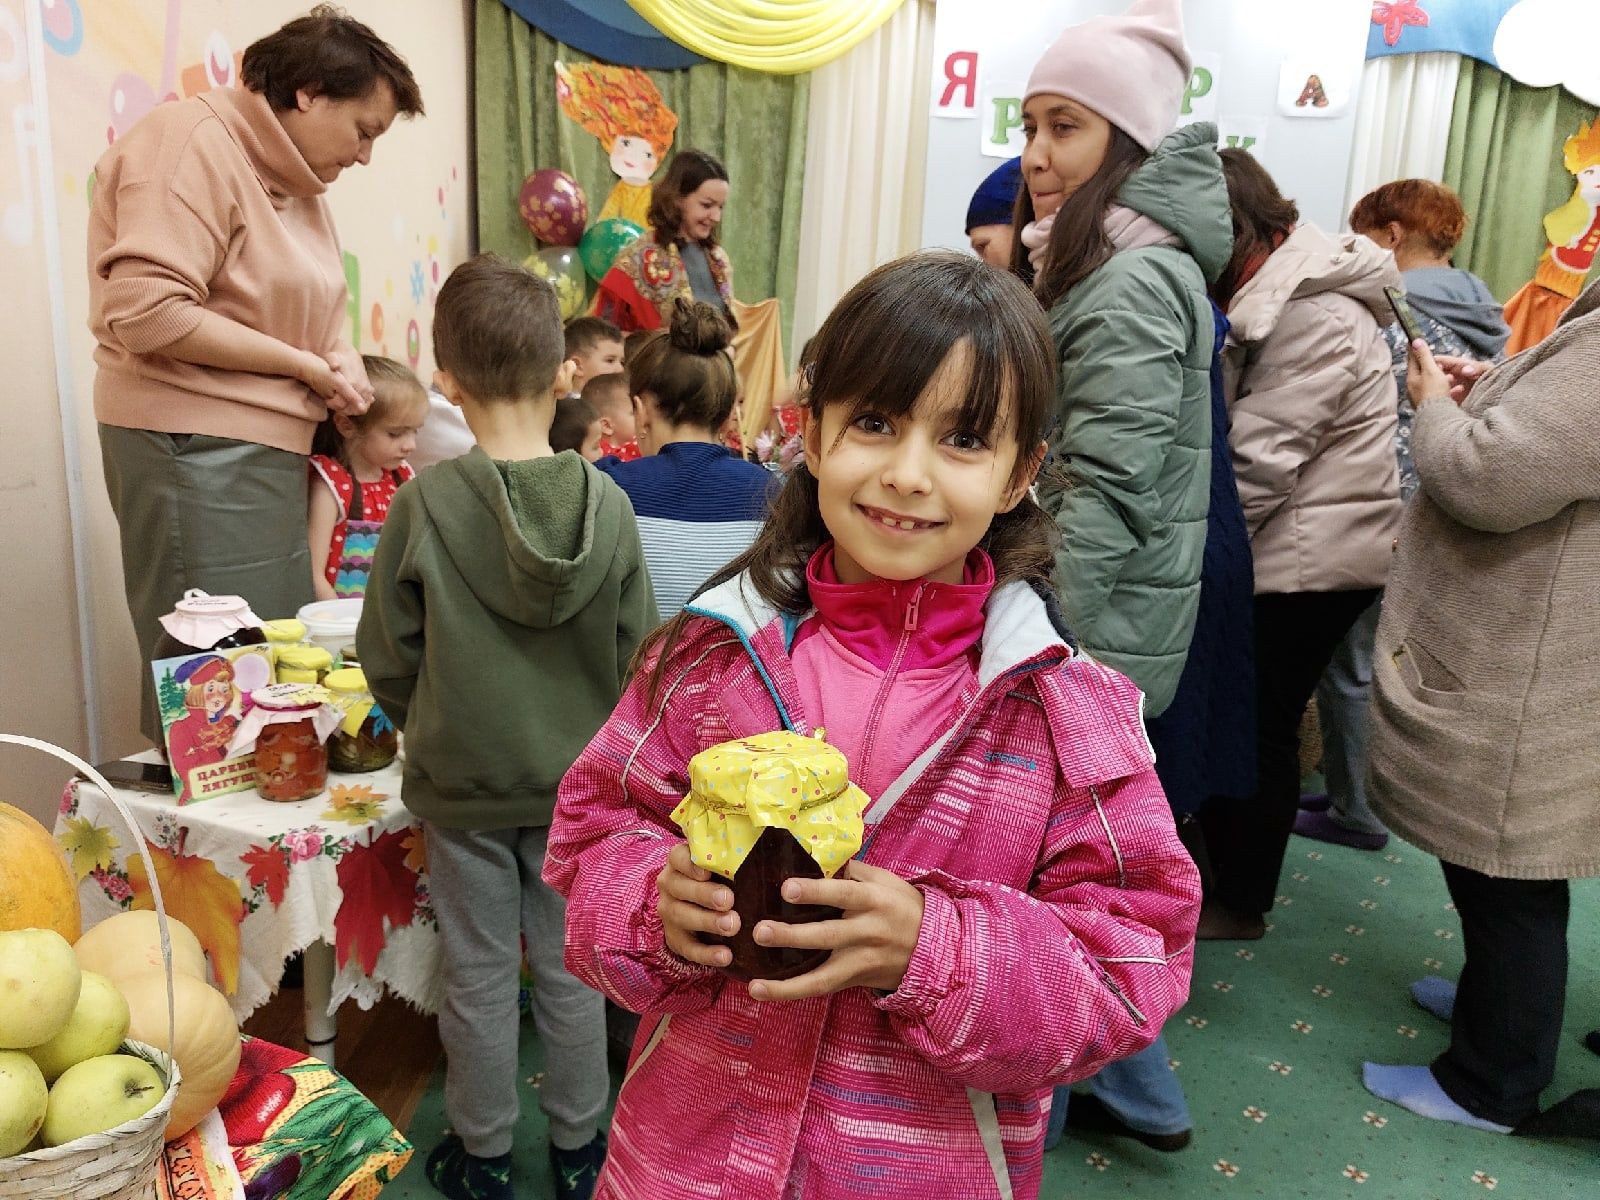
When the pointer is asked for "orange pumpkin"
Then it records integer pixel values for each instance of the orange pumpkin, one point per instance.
(207, 1049)
(37, 890)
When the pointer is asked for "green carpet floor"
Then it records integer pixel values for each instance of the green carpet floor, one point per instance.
(1270, 1050)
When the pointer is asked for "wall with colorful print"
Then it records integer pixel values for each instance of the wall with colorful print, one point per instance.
(73, 75)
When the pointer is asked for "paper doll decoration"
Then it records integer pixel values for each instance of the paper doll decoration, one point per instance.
(1573, 231)
(621, 107)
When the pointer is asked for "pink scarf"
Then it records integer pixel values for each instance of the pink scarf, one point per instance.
(1127, 229)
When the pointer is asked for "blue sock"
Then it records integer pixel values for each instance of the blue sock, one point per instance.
(1436, 995)
(1415, 1089)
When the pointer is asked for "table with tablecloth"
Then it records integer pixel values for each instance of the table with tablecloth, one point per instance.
(341, 877)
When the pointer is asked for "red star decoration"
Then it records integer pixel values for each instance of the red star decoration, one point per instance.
(1395, 17)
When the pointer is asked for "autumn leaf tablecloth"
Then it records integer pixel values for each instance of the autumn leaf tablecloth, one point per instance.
(259, 881)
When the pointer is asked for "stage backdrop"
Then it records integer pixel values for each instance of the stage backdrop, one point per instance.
(1253, 75)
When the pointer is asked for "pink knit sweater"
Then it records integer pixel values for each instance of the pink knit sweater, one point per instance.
(1057, 935)
(206, 204)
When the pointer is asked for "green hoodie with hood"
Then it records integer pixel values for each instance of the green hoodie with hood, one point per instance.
(504, 604)
(1133, 432)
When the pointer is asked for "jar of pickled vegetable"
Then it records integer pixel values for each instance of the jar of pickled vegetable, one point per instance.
(366, 740)
(291, 722)
(303, 664)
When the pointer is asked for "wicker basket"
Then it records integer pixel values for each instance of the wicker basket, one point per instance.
(121, 1163)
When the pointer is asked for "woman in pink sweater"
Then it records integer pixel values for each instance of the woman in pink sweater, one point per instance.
(217, 299)
(1022, 911)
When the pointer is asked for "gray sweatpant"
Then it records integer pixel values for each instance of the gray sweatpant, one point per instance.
(486, 890)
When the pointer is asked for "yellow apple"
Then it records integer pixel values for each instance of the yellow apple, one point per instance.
(97, 1026)
(100, 1094)
(22, 1101)
(39, 981)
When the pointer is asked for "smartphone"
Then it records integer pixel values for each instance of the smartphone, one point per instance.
(1403, 313)
(140, 776)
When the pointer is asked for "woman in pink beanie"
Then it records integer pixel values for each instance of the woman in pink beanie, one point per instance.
(1121, 224)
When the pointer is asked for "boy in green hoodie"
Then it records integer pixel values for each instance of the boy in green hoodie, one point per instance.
(506, 598)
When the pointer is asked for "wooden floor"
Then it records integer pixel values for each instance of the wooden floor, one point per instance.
(389, 1052)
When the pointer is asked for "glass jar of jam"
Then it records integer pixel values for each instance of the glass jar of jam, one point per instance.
(303, 664)
(366, 740)
(284, 632)
(763, 809)
(291, 760)
(201, 622)
(758, 896)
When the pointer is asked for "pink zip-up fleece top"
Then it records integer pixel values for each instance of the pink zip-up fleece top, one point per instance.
(1012, 785)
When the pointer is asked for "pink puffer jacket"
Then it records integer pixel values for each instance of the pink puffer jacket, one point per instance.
(1057, 932)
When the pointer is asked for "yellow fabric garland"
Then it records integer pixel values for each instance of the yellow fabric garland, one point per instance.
(781, 37)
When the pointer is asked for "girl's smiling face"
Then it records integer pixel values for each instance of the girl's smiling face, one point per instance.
(633, 158)
(1066, 145)
(909, 496)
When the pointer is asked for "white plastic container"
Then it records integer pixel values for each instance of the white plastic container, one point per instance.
(331, 624)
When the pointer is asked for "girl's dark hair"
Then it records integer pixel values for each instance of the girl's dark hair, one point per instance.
(685, 370)
(685, 173)
(923, 306)
(1078, 244)
(331, 53)
(1262, 216)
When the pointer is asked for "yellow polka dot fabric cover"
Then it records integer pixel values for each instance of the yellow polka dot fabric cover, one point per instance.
(781, 780)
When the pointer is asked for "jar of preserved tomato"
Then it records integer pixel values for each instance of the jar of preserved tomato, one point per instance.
(303, 664)
(366, 740)
(291, 721)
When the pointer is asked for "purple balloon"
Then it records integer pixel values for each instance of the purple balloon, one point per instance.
(553, 206)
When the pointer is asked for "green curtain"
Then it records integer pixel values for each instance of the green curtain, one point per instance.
(754, 122)
(1504, 159)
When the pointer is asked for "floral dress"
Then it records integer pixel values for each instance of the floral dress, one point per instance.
(362, 513)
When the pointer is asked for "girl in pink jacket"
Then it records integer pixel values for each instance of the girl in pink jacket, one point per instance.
(1021, 912)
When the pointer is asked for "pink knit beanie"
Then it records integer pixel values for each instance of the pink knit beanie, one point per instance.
(1132, 69)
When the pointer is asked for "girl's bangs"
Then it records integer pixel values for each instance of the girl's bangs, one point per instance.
(893, 334)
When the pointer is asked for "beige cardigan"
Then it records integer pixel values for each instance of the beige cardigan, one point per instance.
(1486, 682)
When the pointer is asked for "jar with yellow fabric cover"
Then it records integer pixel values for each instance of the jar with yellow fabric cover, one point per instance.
(366, 740)
(303, 664)
(761, 810)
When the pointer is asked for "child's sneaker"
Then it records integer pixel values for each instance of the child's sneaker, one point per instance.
(575, 1171)
(463, 1176)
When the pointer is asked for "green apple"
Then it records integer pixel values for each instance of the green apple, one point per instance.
(23, 1097)
(97, 1026)
(100, 1094)
(39, 981)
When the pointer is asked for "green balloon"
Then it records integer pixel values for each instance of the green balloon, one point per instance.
(562, 267)
(603, 241)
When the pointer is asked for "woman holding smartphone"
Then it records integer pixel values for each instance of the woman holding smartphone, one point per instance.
(1485, 697)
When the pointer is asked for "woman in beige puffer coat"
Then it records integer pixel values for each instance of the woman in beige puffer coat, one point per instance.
(1312, 409)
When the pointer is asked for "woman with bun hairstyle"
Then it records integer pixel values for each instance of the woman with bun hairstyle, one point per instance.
(1121, 223)
(699, 504)
(678, 258)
